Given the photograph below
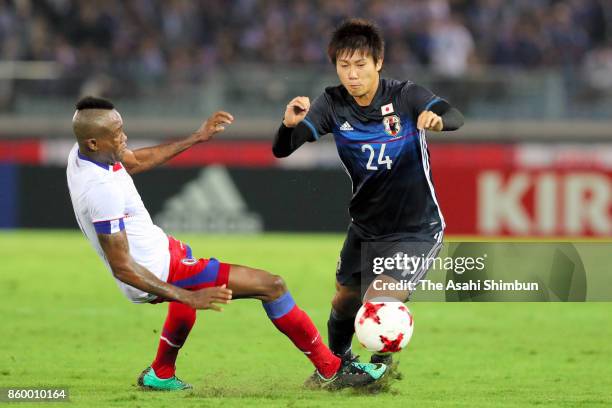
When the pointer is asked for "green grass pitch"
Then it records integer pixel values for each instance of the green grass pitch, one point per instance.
(64, 323)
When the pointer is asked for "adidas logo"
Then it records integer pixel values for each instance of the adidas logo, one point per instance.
(346, 126)
(210, 203)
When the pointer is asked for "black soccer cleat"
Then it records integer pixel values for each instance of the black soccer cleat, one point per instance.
(350, 374)
(350, 357)
(387, 359)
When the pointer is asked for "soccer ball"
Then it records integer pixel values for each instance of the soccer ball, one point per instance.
(384, 327)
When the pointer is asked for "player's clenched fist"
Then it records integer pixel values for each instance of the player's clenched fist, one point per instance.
(208, 298)
(296, 111)
(429, 121)
(214, 124)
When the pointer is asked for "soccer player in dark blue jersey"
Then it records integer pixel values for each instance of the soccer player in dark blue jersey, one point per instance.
(379, 128)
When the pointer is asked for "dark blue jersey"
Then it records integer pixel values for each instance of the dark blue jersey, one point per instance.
(384, 154)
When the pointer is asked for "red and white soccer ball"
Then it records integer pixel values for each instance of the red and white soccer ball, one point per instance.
(384, 327)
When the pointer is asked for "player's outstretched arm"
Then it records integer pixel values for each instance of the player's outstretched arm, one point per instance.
(440, 117)
(116, 250)
(291, 135)
(149, 157)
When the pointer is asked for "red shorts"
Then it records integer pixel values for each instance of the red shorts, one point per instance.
(193, 274)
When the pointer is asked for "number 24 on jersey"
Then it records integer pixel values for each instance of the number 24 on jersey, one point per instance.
(382, 159)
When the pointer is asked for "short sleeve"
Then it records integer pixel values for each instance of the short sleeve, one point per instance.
(106, 206)
(417, 98)
(318, 118)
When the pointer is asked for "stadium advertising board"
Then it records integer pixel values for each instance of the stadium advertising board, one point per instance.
(483, 189)
(524, 190)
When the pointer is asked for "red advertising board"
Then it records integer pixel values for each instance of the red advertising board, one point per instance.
(524, 190)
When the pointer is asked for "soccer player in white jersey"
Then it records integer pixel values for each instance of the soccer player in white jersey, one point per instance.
(151, 267)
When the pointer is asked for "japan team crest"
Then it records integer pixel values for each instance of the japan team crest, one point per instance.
(392, 125)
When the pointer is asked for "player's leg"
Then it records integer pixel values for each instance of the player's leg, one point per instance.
(180, 319)
(419, 254)
(347, 299)
(160, 376)
(341, 322)
(383, 286)
(245, 282)
(192, 274)
(282, 310)
(178, 324)
(289, 319)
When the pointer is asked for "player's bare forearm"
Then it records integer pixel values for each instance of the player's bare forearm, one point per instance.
(116, 250)
(150, 157)
(141, 278)
(124, 268)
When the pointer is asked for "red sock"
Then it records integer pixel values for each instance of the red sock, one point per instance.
(178, 324)
(296, 324)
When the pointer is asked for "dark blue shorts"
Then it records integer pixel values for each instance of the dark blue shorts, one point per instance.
(356, 265)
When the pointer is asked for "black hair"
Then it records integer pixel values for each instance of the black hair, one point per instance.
(92, 102)
(356, 34)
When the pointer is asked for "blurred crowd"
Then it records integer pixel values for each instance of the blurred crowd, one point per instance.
(157, 39)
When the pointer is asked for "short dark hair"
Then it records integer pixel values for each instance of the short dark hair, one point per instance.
(356, 34)
(92, 102)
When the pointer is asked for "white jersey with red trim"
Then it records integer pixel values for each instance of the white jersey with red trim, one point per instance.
(106, 201)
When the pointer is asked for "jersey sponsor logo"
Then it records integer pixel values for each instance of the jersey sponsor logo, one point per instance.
(210, 203)
(346, 126)
(387, 109)
(392, 125)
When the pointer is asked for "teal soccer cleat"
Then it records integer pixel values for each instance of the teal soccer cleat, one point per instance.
(149, 381)
(392, 366)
